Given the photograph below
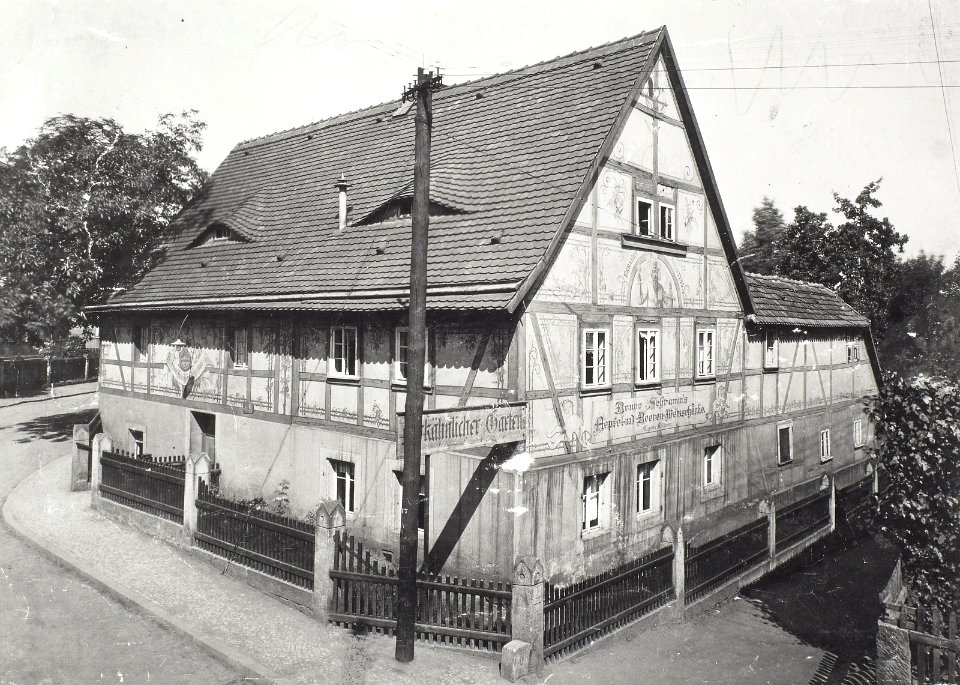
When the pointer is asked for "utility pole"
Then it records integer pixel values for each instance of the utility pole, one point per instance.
(422, 92)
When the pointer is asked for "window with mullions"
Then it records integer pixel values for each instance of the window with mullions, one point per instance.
(594, 501)
(666, 221)
(344, 484)
(705, 353)
(239, 342)
(402, 350)
(343, 352)
(596, 348)
(648, 355)
(648, 487)
(771, 350)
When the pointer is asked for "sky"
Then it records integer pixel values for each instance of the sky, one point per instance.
(796, 100)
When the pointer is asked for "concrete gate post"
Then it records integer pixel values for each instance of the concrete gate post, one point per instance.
(526, 618)
(893, 655)
(102, 442)
(331, 519)
(78, 468)
(197, 467)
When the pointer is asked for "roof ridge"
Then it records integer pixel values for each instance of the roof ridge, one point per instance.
(774, 277)
(352, 115)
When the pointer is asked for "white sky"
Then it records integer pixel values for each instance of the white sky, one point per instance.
(252, 68)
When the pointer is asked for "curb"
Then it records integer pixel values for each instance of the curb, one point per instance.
(46, 398)
(131, 599)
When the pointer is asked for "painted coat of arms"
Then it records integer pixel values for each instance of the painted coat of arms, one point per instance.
(185, 367)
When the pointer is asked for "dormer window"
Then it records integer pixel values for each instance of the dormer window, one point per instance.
(220, 232)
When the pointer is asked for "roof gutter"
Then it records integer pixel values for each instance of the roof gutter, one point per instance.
(327, 295)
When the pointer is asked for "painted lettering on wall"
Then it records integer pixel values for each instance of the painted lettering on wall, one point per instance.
(474, 427)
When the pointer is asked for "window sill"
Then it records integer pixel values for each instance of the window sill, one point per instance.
(593, 534)
(590, 392)
(646, 517)
(645, 242)
(858, 447)
(703, 380)
(712, 491)
(343, 380)
(789, 462)
(401, 386)
(771, 369)
(826, 460)
(648, 385)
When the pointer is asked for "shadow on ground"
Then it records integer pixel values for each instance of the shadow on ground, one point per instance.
(54, 427)
(829, 596)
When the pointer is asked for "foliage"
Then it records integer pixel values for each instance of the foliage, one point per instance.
(759, 251)
(83, 211)
(918, 438)
(858, 258)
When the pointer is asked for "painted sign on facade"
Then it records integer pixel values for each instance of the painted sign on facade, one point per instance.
(635, 416)
(474, 427)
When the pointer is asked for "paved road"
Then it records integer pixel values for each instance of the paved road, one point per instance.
(54, 627)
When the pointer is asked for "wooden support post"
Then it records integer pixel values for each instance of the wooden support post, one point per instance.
(526, 609)
(416, 359)
(197, 466)
(331, 519)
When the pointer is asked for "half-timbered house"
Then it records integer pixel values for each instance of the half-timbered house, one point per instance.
(581, 265)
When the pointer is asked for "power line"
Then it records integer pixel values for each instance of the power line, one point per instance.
(943, 94)
(787, 88)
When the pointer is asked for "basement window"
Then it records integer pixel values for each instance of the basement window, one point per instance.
(784, 443)
(344, 484)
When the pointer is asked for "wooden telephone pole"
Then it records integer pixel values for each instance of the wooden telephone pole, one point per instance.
(422, 92)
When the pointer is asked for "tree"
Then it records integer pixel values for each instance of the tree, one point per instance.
(83, 211)
(917, 426)
(759, 250)
(858, 258)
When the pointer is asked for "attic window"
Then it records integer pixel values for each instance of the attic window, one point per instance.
(217, 233)
(400, 208)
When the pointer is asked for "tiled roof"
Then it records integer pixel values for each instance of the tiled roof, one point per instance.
(509, 154)
(786, 302)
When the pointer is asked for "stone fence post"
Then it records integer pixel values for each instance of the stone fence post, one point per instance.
(679, 570)
(196, 467)
(893, 655)
(833, 502)
(769, 508)
(524, 653)
(78, 469)
(102, 442)
(331, 519)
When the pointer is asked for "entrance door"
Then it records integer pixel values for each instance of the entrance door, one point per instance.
(203, 434)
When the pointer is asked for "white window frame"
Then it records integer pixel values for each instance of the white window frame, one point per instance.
(788, 426)
(345, 472)
(644, 374)
(771, 353)
(398, 376)
(601, 360)
(137, 447)
(667, 221)
(341, 357)
(651, 232)
(594, 497)
(825, 452)
(648, 473)
(712, 466)
(704, 333)
(853, 351)
(237, 359)
(857, 433)
(220, 232)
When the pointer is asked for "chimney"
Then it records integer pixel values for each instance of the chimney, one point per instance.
(342, 186)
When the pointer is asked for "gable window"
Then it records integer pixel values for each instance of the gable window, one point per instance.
(594, 501)
(711, 465)
(771, 350)
(825, 454)
(853, 351)
(400, 360)
(784, 443)
(648, 355)
(239, 348)
(344, 484)
(705, 353)
(644, 217)
(858, 433)
(343, 352)
(666, 221)
(648, 487)
(596, 348)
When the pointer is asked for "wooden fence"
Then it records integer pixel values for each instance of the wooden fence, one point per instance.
(577, 613)
(279, 546)
(452, 611)
(25, 375)
(710, 565)
(934, 646)
(802, 518)
(143, 483)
